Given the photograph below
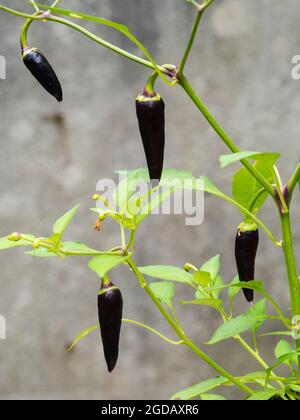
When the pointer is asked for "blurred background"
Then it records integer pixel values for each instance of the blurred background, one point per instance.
(53, 154)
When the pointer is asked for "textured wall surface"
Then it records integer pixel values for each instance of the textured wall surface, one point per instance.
(241, 65)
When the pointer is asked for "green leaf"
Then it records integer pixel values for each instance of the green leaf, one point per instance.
(164, 291)
(41, 253)
(199, 389)
(62, 223)
(283, 348)
(236, 326)
(6, 244)
(208, 186)
(70, 247)
(212, 303)
(245, 187)
(83, 334)
(217, 286)
(264, 395)
(212, 267)
(255, 285)
(201, 294)
(233, 291)
(254, 376)
(102, 264)
(212, 397)
(202, 278)
(167, 272)
(267, 158)
(77, 248)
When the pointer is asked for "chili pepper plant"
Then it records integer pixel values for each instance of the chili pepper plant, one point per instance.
(252, 184)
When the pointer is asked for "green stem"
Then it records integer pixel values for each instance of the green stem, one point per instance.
(290, 262)
(36, 8)
(190, 43)
(253, 217)
(146, 327)
(181, 334)
(184, 83)
(149, 88)
(106, 44)
(278, 183)
(123, 236)
(90, 35)
(294, 181)
(130, 244)
(56, 3)
(24, 32)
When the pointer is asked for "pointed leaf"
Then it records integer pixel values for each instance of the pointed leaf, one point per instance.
(62, 223)
(267, 158)
(212, 303)
(212, 267)
(202, 278)
(263, 395)
(233, 291)
(164, 291)
(41, 253)
(217, 286)
(282, 349)
(245, 187)
(251, 319)
(77, 248)
(102, 264)
(6, 244)
(198, 389)
(167, 272)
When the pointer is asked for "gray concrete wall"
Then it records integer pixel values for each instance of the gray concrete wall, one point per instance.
(241, 66)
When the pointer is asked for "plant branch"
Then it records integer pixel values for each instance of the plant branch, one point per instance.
(90, 35)
(181, 334)
(253, 217)
(200, 10)
(278, 183)
(35, 6)
(294, 284)
(190, 43)
(146, 327)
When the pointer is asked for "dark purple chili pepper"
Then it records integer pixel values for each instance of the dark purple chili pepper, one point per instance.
(110, 307)
(41, 69)
(246, 245)
(150, 109)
